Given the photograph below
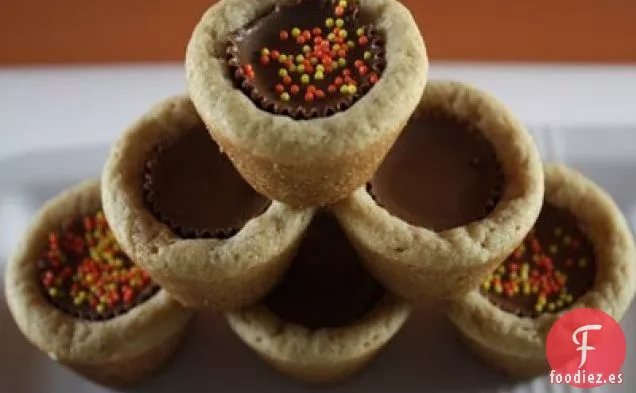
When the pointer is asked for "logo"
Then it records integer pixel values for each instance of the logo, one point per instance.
(586, 348)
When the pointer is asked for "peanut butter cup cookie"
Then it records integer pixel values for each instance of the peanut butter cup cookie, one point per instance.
(176, 203)
(456, 194)
(580, 254)
(328, 317)
(77, 296)
(306, 96)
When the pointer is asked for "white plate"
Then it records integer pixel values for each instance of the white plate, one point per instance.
(425, 357)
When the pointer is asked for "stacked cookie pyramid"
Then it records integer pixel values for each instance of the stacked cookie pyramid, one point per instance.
(314, 186)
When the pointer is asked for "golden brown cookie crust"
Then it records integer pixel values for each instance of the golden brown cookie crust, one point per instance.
(324, 355)
(149, 333)
(308, 162)
(223, 274)
(422, 264)
(506, 336)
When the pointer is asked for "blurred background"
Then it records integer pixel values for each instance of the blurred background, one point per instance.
(77, 72)
(36, 32)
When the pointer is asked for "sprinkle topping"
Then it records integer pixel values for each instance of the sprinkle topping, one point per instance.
(307, 51)
(548, 271)
(85, 273)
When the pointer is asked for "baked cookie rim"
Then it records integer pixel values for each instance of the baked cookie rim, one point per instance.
(234, 117)
(62, 336)
(144, 237)
(266, 333)
(614, 286)
(476, 243)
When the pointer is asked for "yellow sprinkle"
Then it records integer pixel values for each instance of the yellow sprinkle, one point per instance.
(78, 301)
(560, 303)
(498, 289)
(553, 249)
(89, 278)
(100, 308)
(486, 285)
(53, 292)
(558, 231)
(526, 288)
(567, 240)
(501, 269)
(538, 308)
(582, 262)
(551, 306)
(525, 272)
(569, 299)
(536, 258)
(535, 289)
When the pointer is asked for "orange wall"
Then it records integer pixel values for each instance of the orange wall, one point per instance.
(107, 31)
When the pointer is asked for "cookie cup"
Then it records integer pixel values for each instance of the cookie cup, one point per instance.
(116, 352)
(323, 356)
(305, 162)
(424, 265)
(516, 345)
(223, 274)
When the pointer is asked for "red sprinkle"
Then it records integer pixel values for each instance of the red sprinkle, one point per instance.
(284, 35)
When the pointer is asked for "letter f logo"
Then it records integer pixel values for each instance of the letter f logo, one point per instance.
(583, 344)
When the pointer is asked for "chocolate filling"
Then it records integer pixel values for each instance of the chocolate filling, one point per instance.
(553, 267)
(440, 174)
(192, 187)
(84, 272)
(331, 48)
(326, 285)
